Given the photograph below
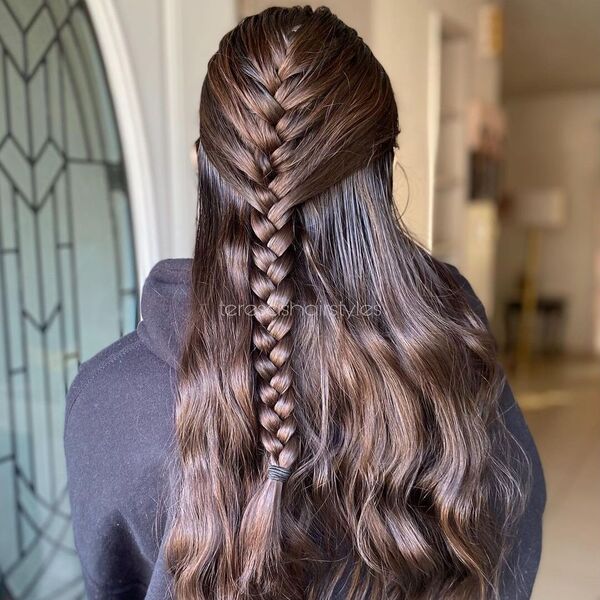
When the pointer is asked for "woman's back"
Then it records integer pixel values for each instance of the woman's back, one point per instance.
(118, 438)
(327, 417)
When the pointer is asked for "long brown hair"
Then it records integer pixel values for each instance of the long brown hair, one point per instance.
(338, 426)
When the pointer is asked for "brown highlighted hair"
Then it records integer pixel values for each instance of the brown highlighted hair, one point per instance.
(338, 427)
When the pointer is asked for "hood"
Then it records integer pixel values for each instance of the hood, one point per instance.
(164, 305)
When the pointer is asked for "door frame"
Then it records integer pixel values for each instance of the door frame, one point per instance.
(121, 82)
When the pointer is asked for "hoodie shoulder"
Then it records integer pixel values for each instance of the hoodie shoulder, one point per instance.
(118, 435)
(121, 397)
(119, 431)
(472, 298)
(94, 367)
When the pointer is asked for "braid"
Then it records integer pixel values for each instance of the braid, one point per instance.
(272, 262)
(263, 178)
(271, 265)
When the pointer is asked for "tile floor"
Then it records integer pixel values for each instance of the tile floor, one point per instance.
(561, 401)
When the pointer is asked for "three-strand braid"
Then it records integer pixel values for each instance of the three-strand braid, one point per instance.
(266, 97)
(276, 150)
(271, 284)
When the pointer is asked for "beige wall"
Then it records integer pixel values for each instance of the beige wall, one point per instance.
(554, 141)
(398, 32)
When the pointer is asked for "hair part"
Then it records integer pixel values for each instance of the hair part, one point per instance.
(351, 362)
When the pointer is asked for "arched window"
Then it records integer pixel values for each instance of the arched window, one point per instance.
(67, 272)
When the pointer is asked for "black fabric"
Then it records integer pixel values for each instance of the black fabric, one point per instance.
(118, 436)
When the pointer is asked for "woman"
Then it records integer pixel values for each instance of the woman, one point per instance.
(313, 407)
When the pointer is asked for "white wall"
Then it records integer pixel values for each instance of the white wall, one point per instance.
(554, 141)
(169, 43)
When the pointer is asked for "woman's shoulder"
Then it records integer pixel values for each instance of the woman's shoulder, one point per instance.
(118, 434)
(114, 377)
(118, 437)
(465, 286)
(94, 368)
(118, 412)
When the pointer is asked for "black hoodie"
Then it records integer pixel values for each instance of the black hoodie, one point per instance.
(118, 440)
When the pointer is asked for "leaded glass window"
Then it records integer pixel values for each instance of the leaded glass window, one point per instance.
(67, 272)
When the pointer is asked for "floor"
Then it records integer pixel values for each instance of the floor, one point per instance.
(561, 401)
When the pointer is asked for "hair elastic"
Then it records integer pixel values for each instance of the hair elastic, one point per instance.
(277, 473)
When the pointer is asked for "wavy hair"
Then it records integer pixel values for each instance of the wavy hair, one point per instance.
(338, 425)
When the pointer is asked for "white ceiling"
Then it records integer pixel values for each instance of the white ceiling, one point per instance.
(551, 45)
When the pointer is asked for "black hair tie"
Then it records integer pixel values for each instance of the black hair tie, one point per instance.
(277, 473)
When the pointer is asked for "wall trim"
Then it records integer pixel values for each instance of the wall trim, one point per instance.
(128, 110)
(174, 87)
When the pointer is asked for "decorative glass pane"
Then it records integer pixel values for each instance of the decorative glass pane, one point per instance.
(67, 272)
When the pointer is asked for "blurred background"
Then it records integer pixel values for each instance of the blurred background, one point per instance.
(498, 172)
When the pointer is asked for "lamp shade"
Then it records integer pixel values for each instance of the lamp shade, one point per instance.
(542, 208)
